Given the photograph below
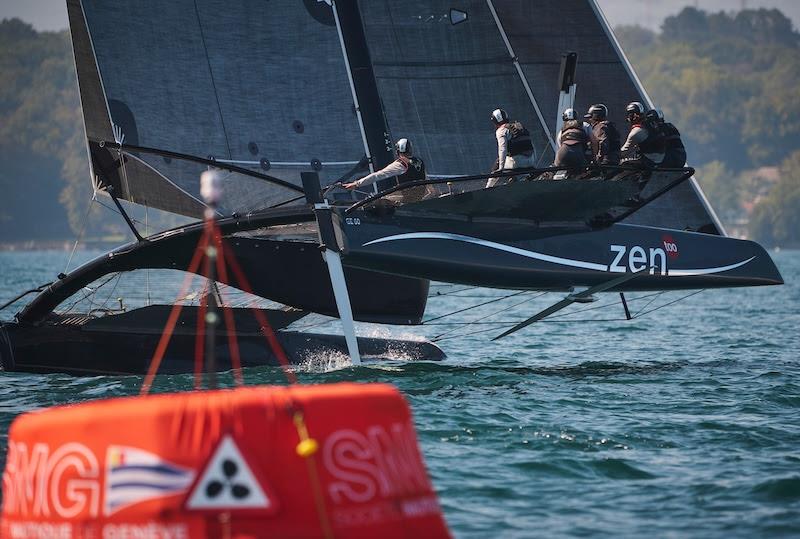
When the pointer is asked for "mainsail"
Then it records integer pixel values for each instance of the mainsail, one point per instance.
(262, 85)
(287, 86)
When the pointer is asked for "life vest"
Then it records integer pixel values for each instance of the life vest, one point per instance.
(655, 143)
(572, 133)
(612, 141)
(675, 154)
(519, 139)
(415, 169)
(672, 136)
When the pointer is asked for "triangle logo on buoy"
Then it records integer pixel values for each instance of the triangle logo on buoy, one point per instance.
(228, 483)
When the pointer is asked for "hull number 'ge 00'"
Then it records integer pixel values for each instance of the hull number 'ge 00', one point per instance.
(352, 220)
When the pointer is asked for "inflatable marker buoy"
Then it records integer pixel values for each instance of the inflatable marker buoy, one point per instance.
(337, 460)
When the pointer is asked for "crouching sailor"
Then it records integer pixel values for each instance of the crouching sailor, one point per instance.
(646, 144)
(604, 137)
(573, 142)
(674, 151)
(514, 145)
(405, 168)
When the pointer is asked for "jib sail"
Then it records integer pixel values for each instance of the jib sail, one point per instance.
(539, 33)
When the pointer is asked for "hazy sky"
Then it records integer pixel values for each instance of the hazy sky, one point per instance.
(52, 14)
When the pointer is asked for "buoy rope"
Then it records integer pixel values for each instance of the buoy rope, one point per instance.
(155, 363)
(212, 238)
(227, 312)
(266, 329)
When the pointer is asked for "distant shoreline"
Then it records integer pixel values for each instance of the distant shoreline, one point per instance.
(59, 245)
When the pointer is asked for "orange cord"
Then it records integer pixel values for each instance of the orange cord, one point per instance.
(306, 449)
(155, 363)
(212, 236)
(227, 312)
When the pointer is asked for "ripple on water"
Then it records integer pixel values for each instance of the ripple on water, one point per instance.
(779, 490)
(619, 469)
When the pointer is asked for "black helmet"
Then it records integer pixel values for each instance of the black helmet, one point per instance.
(653, 116)
(569, 114)
(634, 108)
(499, 116)
(403, 146)
(598, 112)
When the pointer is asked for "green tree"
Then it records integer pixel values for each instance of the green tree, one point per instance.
(723, 187)
(776, 218)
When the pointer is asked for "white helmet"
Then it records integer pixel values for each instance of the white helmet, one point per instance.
(569, 114)
(403, 146)
(499, 116)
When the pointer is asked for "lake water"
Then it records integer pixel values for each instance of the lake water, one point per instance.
(681, 423)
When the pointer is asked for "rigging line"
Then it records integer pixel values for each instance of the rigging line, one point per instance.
(495, 300)
(82, 230)
(523, 79)
(285, 202)
(88, 291)
(113, 289)
(671, 302)
(657, 295)
(491, 329)
(605, 305)
(442, 294)
(213, 82)
(117, 212)
(505, 309)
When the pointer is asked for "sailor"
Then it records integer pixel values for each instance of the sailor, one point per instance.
(605, 136)
(514, 145)
(646, 144)
(573, 142)
(406, 168)
(674, 151)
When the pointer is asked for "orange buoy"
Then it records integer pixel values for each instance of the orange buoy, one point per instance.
(338, 460)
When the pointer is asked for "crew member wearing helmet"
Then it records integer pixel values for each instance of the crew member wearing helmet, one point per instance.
(572, 143)
(605, 136)
(674, 151)
(645, 144)
(406, 168)
(514, 145)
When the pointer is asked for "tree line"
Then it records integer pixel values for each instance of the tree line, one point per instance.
(728, 81)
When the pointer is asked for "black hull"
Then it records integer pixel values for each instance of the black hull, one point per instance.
(80, 346)
(287, 269)
(520, 254)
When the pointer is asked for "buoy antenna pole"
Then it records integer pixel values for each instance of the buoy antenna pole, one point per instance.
(211, 190)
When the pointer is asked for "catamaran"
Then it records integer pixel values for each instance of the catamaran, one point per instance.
(290, 99)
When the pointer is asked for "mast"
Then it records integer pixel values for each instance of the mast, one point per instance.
(366, 98)
(566, 86)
